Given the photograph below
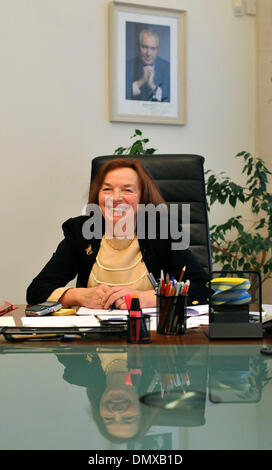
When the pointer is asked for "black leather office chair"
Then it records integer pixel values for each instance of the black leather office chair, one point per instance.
(180, 179)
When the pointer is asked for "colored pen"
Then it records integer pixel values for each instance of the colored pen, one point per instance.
(182, 273)
(162, 283)
(98, 318)
(152, 280)
(179, 288)
(168, 286)
(186, 287)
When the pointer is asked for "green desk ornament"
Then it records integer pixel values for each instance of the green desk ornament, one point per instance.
(235, 305)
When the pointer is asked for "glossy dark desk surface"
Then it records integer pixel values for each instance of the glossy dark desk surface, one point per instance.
(182, 392)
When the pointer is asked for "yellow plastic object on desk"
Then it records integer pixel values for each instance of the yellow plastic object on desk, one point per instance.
(231, 291)
(222, 284)
(65, 311)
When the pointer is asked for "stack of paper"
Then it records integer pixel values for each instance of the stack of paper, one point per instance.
(87, 317)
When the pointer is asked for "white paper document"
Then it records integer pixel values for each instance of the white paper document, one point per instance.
(7, 321)
(267, 309)
(60, 321)
(196, 322)
(113, 313)
(84, 311)
(194, 310)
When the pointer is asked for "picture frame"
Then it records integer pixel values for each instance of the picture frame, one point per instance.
(147, 64)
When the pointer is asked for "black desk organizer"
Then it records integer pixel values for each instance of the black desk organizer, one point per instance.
(232, 321)
(171, 314)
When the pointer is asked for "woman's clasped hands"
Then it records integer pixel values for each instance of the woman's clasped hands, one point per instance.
(118, 295)
(104, 297)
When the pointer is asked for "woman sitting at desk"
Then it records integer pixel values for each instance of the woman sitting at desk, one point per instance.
(109, 267)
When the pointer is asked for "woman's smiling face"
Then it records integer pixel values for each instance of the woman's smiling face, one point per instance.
(120, 411)
(119, 194)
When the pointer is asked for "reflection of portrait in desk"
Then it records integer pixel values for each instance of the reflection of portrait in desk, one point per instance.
(148, 75)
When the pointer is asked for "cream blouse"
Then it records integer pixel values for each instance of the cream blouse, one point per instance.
(120, 262)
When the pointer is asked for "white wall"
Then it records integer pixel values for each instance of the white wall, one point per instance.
(54, 113)
(264, 95)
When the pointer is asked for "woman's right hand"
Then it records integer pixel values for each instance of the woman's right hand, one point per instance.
(90, 297)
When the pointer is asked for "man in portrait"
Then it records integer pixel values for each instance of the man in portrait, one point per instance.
(148, 75)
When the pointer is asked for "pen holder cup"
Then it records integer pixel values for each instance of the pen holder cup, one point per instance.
(138, 329)
(171, 314)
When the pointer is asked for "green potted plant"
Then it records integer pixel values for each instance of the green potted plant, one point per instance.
(240, 244)
(138, 147)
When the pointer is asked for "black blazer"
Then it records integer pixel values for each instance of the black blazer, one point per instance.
(75, 256)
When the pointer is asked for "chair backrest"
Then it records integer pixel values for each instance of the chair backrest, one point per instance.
(180, 179)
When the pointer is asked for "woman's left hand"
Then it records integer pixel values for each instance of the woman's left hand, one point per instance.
(117, 297)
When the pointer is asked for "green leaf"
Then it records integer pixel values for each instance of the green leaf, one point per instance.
(232, 201)
(136, 148)
(120, 151)
(227, 267)
(261, 224)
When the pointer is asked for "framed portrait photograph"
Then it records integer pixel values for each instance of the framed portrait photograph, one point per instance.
(147, 64)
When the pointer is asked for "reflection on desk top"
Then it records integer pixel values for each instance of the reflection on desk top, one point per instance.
(135, 397)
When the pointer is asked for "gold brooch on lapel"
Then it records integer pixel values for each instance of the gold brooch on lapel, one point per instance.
(89, 250)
